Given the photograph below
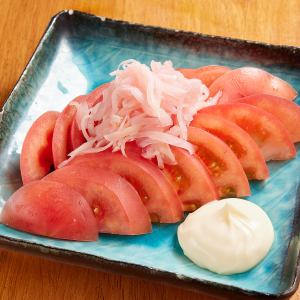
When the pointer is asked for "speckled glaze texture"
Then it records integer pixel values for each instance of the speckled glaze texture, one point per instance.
(76, 54)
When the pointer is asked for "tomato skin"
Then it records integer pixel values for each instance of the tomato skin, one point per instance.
(286, 111)
(50, 209)
(226, 171)
(76, 136)
(191, 179)
(61, 144)
(156, 192)
(248, 81)
(117, 206)
(266, 130)
(36, 155)
(238, 140)
(207, 74)
(61, 140)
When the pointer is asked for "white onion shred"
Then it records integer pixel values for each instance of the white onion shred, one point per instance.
(150, 105)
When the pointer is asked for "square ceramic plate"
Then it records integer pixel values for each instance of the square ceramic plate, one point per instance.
(76, 54)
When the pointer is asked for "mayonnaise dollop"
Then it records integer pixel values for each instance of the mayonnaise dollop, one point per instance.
(226, 236)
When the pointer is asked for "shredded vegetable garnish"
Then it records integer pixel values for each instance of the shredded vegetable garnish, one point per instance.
(150, 105)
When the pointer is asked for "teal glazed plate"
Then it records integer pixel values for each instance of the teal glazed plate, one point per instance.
(76, 54)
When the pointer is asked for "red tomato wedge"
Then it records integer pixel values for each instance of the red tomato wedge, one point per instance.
(50, 209)
(75, 135)
(249, 81)
(239, 141)
(286, 111)
(61, 144)
(191, 179)
(226, 171)
(157, 194)
(36, 157)
(117, 206)
(207, 74)
(267, 131)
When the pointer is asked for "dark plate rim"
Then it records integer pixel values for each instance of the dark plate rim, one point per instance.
(100, 263)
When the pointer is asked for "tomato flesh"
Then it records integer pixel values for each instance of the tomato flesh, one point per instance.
(36, 157)
(225, 169)
(191, 180)
(239, 141)
(267, 131)
(286, 111)
(50, 209)
(117, 207)
(157, 194)
(248, 81)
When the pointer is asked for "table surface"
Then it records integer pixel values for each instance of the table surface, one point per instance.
(21, 25)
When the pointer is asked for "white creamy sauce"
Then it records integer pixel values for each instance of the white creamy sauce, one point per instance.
(226, 236)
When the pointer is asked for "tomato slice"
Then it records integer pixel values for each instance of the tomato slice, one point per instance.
(117, 206)
(75, 136)
(226, 171)
(191, 179)
(267, 131)
(207, 74)
(62, 140)
(157, 194)
(286, 111)
(61, 144)
(50, 209)
(36, 157)
(249, 81)
(239, 141)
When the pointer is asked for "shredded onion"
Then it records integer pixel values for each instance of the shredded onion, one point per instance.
(150, 105)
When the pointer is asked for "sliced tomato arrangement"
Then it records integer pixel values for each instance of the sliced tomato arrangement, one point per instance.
(191, 179)
(286, 111)
(207, 74)
(50, 209)
(156, 192)
(267, 131)
(248, 81)
(121, 192)
(116, 205)
(239, 141)
(36, 157)
(225, 168)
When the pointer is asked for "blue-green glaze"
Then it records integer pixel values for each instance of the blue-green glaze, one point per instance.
(73, 61)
